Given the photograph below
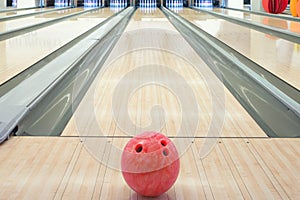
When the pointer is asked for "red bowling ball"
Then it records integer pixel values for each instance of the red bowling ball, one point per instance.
(274, 6)
(150, 164)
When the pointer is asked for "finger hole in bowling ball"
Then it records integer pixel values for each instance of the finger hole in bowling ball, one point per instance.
(139, 148)
(166, 152)
(163, 143)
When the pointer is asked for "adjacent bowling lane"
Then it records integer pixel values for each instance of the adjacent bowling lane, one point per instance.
(31, 20)
(279, 56)
(22, 12)
(288, 25)
(21, 52)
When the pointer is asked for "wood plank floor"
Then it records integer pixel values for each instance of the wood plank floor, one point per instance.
(61, 168)
(236, 161)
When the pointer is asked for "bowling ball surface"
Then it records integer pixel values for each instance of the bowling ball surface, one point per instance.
(150, 164)
(274, 6)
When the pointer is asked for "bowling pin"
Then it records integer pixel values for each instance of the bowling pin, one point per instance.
(14, 3)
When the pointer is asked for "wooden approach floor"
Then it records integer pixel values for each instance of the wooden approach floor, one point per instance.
(61, 168)
(239, 162)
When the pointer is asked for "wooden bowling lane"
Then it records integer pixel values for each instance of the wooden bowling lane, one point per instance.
(288, 25)
(19, 53)
(22, 12)
(149, 40)
(31, 20)
(276, 55)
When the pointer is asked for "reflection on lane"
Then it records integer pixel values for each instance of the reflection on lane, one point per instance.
(269, 21)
